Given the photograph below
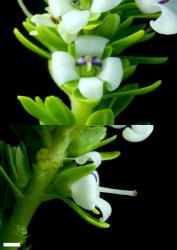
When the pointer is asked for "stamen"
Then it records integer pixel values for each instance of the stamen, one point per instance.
(163, 1)
(81, 61)
(96, 61)
(55, 20)
(118, 191)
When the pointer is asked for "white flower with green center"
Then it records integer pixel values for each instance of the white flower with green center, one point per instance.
(167, 22)
(70, 16)
(86, 194)
(88, 67)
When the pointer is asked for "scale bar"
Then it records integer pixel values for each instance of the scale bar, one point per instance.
(11, 244)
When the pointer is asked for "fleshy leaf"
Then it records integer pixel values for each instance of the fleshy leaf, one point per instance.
(84, 215)
(86, 141)
(68, 177)
(122, 44)
(101, 117)
(128, 71)
(28, 44)
(56, 108)
(146, 60)
(106, 156)
(110, 20)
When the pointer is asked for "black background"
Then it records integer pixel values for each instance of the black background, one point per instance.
(135, 222)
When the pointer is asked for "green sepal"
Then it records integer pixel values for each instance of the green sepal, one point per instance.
(92, 25)
(109, 26)
(84, 215)
(86, 141)
(107, 52)
(107, 156)
(29, 45)
(63, 181)
(101, 117)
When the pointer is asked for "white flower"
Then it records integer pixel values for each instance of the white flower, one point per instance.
(167, 22)
(93, 156)
(88, 52)
(70, 16)
(118, 126)
(137, 133)
(86, 193)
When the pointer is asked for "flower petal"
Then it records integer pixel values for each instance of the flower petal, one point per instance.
(90, 46)
(118, 126)
(67, 37)
(147, 6)
(85, 192)
(63, 68)
(105, 208)
(91, 87)
(99, 6)
(112, 72)
(44, 19)
(59, 7)
(137, 133)
(73, 21)
(166, 23)
(94, 156)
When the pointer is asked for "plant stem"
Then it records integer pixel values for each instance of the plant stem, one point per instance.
(44, 171)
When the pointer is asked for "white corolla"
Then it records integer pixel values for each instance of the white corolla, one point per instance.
(70, 16)
(88, 67)
(167, 22)
(86, 194)
(135, 133)
(86, 191)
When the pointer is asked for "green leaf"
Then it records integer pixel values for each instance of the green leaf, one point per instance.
(28, 44)
(109, 26)
(51, 38)
(101, 117)
(16, 191)
(56, 108)
(107, 52)
(30, 27)
(128, 71)
(107, 156)
(140, 91)
(37, 111)
(120, 103)
(86, 141)
(84, 215)
(123, 26)
(64, 180)
(105, 142)
(122, 44)
(145, 60)
(22, 166)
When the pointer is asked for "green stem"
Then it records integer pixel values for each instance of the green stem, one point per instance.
(48, 162)
(82, 109)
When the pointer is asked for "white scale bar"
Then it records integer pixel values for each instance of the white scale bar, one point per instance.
(11, 244)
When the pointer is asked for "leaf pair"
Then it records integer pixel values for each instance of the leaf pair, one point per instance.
(50, 112)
